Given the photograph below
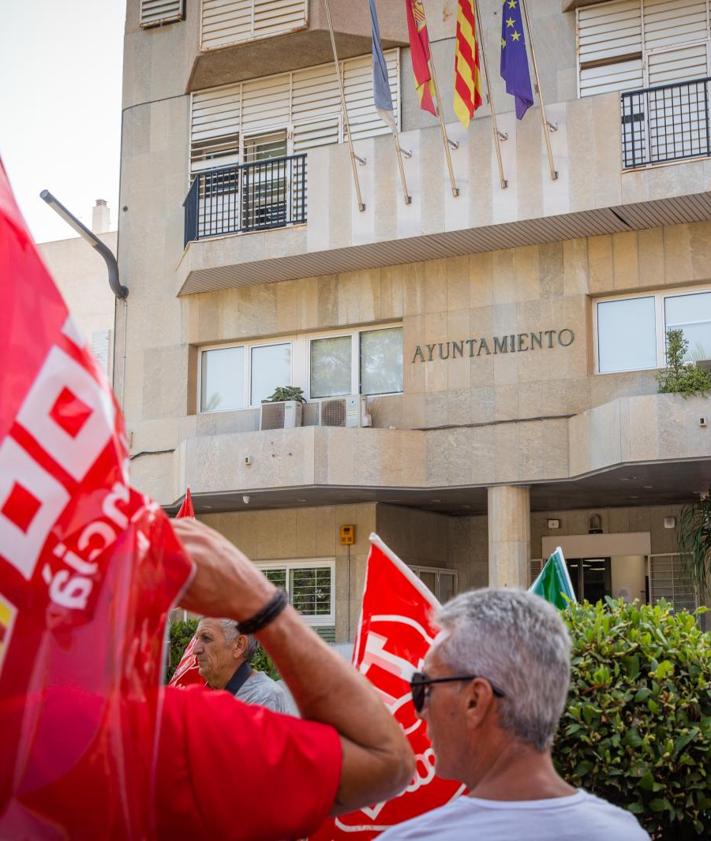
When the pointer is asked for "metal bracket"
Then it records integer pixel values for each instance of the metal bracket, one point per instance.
(502, 135)
(406, 152)
(552, 127)
(361, 161)
(453, 144)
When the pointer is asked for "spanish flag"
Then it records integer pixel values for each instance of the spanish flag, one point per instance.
(467, 74)
(420, 54)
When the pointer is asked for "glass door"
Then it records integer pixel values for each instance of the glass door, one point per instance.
(590, 577)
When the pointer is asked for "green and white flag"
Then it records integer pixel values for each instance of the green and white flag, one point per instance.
(554, 582)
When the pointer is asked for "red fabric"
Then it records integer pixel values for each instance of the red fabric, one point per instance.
(395, 632)
(187, 672)
(420, 54)
(88, 570)
(186, 509)
(232, 771)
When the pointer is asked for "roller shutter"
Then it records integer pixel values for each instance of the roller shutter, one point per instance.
(160, 12)
(305, 102)
(226, 22)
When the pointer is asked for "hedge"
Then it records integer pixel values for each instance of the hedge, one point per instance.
(637, 727)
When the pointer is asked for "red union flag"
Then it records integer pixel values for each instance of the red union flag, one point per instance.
(186, 509)
(88, 570)
(186, 672)
(395, 632)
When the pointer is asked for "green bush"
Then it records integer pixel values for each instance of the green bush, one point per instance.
(637, 728)
(181, 632)
(679, 377)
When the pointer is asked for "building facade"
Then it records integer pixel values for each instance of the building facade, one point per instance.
(479, 369)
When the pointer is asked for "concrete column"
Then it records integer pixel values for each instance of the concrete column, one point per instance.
(509, 523)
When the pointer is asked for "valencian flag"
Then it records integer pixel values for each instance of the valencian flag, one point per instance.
(88, 570)
(467, 73)
(395, 631)
(381, 85)
(553, 583)
(514, 57)
(420, 54)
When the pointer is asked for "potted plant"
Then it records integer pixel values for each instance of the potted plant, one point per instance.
(283, 408)
(286, 392)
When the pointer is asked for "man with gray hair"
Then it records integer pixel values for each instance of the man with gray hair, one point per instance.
(224, 659)
(492, 691)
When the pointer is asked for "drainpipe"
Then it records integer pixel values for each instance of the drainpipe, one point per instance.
(117, 288)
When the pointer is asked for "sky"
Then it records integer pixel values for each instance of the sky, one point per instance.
(60, 106)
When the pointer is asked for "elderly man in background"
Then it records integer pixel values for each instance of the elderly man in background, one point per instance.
(494, 687)
(224, 658)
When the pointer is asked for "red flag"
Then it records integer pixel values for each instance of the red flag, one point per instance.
(420, 54)
(186, 509)
(395, 632)
(88, 570)
(186, 672)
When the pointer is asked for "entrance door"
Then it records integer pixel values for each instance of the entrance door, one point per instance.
(591, 578)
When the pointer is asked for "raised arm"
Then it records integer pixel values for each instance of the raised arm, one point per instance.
(377, 760)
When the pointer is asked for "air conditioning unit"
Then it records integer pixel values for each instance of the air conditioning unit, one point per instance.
(351, 410)
(284, 414)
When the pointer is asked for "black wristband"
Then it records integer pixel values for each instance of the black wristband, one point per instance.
(267, 614)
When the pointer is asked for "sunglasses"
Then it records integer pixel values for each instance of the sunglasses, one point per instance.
(420, 683)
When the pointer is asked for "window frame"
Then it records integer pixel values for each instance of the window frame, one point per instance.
(300, 362)
(660, 328)
(247, 346)
(355, 335)
(307, 563)
(419, 568)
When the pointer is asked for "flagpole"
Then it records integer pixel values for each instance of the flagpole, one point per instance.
(494, 127)
(401, 167)
(544, 120)
(344, 109)
(440, 114)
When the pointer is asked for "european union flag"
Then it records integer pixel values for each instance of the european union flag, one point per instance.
(514, 58)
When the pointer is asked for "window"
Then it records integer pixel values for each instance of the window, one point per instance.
(692, 314)
(363, 362)
(226, 22)
(222, 380)
(442, 582)
(226, 121)
(631, 332)
(630, 44)
(626, 332)
(310, 586)
(233, 378)
(381, 361)
(160, 12)
(271, 368)
(331, 366)
(367, 361)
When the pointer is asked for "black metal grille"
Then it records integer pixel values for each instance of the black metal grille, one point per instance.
(666, 123)
(250, 197)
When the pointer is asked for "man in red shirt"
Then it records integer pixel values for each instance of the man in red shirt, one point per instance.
(237, 772)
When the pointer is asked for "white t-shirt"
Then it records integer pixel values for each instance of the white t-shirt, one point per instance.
(578, 817)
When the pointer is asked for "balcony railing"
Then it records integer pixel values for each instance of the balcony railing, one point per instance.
(666, 123)
(249, 197)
